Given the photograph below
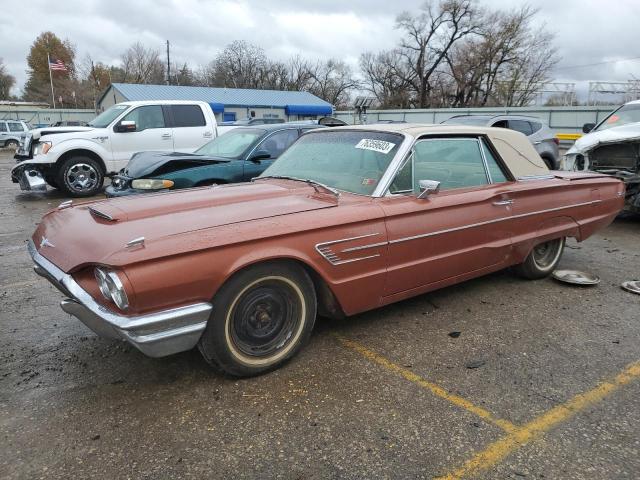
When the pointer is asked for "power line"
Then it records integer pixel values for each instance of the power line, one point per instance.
(597, 63)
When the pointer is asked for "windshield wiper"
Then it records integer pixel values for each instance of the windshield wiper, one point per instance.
(313, 183)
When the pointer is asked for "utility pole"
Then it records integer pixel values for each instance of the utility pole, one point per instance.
(168, 66)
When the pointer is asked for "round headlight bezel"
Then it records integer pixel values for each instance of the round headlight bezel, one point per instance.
(112, 287)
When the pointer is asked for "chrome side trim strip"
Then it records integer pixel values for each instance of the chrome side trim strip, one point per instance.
(364, 247)
(479, 224)
(324, 249)
(526, 178)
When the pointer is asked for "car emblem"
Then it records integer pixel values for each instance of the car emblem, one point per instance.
(46, 243)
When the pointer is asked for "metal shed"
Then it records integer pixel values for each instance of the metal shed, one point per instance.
(226, 103)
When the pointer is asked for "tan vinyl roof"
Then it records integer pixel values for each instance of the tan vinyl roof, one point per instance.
(514, 148)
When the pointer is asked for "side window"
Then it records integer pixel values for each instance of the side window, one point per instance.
(521, 126)
(15, 127)
(454, 162)
(187, 116)
(278, 142)
(535, 126)
(3, 127)
(146, 117)
(496, 173)
(500, 124)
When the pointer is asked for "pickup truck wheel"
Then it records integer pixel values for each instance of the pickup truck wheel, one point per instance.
(80, 177)
(261, 317)
(542, 260)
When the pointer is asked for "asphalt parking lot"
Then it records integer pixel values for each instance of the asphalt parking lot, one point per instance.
(495, 378)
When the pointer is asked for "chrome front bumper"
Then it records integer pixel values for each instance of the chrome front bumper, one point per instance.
(29, 178)
(156, 334)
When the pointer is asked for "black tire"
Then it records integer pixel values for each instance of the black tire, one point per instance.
(80, 176)
(261, 318)
(51, 180)
(11, 144)
(549, 163)
(542, 260)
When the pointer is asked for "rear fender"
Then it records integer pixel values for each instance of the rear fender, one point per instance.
(549, 229)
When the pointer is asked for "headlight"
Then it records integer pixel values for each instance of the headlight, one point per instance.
(151, 184)
(41, 148)
(111, 287)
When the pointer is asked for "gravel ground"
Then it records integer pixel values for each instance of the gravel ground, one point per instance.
(379, 395)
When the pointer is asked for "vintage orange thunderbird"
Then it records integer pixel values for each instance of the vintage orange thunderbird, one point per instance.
(346, 220)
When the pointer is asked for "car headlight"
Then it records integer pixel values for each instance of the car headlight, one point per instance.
(111, 287)
(41, 148)
(151, 184)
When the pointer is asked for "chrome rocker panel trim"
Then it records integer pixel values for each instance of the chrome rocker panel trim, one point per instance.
(155, 334)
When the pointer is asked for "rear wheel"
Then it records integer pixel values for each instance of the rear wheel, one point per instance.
(542, 260)
(549, 163)
(80, 177)
(261, 317)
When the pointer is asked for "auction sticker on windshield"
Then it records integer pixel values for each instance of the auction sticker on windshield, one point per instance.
(375, 145)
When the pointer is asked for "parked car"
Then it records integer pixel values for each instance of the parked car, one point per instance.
(538, 133)
(76, 159)
(236, 156)
(612, 147)
(346, 220)
(10, 131)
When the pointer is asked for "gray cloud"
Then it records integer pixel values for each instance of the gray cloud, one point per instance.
(586, 31)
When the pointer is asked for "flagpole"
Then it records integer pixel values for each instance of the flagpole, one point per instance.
(53, 95)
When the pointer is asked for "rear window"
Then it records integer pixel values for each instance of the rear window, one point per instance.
(521, 126)
(187, 116)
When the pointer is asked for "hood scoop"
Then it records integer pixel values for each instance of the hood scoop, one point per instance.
(101, 214)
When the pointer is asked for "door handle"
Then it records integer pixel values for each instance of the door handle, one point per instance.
(537, 142)
(166, 135)
(499, 203)
(207, 134)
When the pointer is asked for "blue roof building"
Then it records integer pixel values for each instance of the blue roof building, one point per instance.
(227, 103)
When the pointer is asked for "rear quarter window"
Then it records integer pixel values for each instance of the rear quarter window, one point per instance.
(521, 126)
(535, 126)
(187, 116)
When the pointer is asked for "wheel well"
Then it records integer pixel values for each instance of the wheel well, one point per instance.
(328, 304)
(85, 153)
(549, 160)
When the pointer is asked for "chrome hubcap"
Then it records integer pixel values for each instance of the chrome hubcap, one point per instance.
(82, 177)
(546, 253)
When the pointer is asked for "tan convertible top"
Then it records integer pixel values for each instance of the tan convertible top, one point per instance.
(514, 148)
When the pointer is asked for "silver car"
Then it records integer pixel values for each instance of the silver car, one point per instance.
(538, 133)
(10, 131)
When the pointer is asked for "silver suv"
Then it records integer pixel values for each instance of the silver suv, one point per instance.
(10, 131)
(538, 133)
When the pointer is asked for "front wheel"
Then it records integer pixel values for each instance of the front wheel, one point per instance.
(261, 317)
(11, 144)
(542, 260)
(80, 177)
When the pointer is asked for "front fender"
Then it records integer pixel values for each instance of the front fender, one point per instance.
(66, 146)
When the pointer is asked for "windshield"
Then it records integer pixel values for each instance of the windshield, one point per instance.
(353, 161)
(232, 144)
(625, 114)
(471, 120)
(105, 118)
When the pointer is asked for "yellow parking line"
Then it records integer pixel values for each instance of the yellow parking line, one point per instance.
(435, 389)
(500, 449)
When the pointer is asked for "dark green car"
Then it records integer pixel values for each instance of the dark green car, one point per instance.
(235, 156)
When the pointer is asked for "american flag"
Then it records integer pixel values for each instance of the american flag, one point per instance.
(57, 65)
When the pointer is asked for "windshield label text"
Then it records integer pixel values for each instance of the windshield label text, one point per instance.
(375, 145)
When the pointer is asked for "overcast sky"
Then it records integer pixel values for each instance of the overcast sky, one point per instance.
(587, 31)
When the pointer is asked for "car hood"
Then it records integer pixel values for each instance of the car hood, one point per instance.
(623, 133)
(41, 132)
(171, 223)
(148, 163)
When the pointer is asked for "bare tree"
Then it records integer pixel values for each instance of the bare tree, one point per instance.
(386, 78)
(142, 65)
(240, 65)
(428, 38)
(7, 82)
(332, 81)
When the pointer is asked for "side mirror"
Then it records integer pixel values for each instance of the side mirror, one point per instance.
(427, 187)
(587, 127)
(126, 126)
(259, 155)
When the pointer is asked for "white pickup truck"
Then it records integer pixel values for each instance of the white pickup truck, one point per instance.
(76, 159)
